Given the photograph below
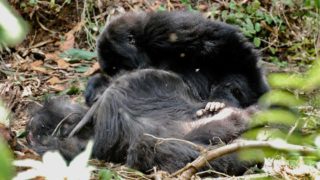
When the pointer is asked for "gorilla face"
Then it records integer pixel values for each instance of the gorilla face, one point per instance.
(118, 44)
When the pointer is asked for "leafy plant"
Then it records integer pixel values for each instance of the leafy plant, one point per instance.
(285, 116)
(250, 17)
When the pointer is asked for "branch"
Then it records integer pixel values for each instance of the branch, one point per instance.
(190, 169)
(198, 147)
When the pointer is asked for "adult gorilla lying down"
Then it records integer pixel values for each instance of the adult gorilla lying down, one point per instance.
(196, 99)
(134, 106)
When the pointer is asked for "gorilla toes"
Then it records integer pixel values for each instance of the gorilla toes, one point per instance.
(210, 109)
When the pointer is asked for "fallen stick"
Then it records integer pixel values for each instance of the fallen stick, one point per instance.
(190, 169)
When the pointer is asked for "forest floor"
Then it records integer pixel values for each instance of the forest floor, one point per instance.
(56, 58)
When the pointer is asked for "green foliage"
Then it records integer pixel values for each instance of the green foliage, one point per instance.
(73, 90)
(6, 169)
(291, 122)
(187, 4)
(249, 18)
(315, 3)
(82, 69)
(106, 174)
(275, 60)
(75, 55)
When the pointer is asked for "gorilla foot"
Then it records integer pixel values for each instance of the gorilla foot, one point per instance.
(210, 109)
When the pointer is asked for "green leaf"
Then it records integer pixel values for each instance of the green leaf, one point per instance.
(232, 5)
(307, 2)
(73, 55)
(73, 90)
(313, 77)
(272, 50)
(281, 80)
(317, 3)
(160, 8)
(33, 2)
(256, 5)
(81, 69)
(278, 97)
(257, 26)
(274, 116)
(106, 174)
(257, 42)
(6, 168)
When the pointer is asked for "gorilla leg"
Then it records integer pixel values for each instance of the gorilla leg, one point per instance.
(225, 126)
(144, 101)
(172, 155)
(159, 103)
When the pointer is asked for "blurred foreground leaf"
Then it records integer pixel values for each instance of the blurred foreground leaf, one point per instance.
(282, 98)
(274, 116)
(6, 168)
(106, 174)
(13, 28)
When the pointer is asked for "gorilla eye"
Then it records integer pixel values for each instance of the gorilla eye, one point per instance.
(131, 39)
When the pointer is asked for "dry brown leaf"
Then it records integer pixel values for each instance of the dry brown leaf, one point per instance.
(57, 87)
(37, 66)
(69, 42)
(60, 62)
(202, 7)
(40, 69)
(95, 67)
(52, 56)
(54, 80)
(36, 63)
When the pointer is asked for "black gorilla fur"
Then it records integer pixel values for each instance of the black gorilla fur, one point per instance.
(137, 108)
(45, 120)
(201, 51)
(160, 103)
(164, 67)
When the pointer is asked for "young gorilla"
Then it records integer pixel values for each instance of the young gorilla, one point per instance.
(201, 51)
(50, 125)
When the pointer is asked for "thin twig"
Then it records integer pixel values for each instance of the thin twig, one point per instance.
(190, 169)
(61, 122)
(200, 148)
